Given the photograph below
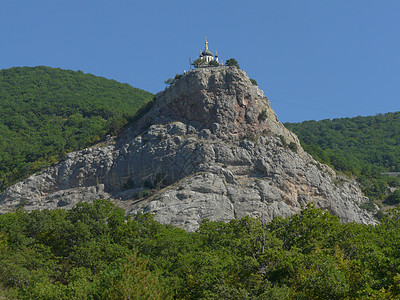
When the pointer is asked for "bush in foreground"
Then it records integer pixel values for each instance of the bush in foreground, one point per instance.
(94, 252)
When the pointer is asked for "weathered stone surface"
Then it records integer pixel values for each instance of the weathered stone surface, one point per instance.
(211, 147)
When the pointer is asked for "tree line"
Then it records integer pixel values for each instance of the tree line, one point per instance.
(94, 252)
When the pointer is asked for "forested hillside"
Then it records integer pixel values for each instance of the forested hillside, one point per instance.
(47, 112)
(360, 146)
(94, 252)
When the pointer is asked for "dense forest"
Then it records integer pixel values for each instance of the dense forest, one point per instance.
(47, 112)
(94, 252)
(364, 147)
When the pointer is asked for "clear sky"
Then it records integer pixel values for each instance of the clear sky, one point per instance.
(314, 59)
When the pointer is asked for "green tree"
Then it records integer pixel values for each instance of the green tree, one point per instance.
(293, 146)
(177, 77)
(213, 63)
(129, 278)
(169, 81)
(319, 277)
(232, 63)
(393, 198)
(172, 81)
(94, 252)
(200, 62)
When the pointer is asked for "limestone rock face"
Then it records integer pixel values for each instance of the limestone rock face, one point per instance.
(210, 147)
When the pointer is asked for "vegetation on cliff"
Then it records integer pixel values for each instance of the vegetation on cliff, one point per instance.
(360, 146)
(94, 252)
(47, 112)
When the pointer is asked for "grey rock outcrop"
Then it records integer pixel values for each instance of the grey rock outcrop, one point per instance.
(210, 147)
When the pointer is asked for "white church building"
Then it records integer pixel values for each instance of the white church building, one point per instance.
(207, 55)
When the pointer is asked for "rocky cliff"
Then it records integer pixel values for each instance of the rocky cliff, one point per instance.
(210, 147)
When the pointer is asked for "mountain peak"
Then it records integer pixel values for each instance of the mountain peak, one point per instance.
(222, 100)
(210, 147)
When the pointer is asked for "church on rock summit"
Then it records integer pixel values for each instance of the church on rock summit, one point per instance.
(207, 58)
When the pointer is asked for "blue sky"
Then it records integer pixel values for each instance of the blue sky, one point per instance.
(314, 59)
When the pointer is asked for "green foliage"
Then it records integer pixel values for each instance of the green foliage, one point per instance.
(293, 146)
(144, 194)
(369, 206)
(372, 141)
(320, 277)
(129, 184)
(169, 81)
(360, 146)
(283, 140)
(200, 62)
(76, 254)
(253, 81)
(172, 81)
(232, 63)
(393, 198)
(263, 115)
(94, 252)
(47, 112)
(177, 77)
(213, 63)
(129, 278)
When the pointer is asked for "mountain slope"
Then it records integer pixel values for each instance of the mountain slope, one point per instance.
(362, 146)
(210, 147)
(373, 140)
(46, 112)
